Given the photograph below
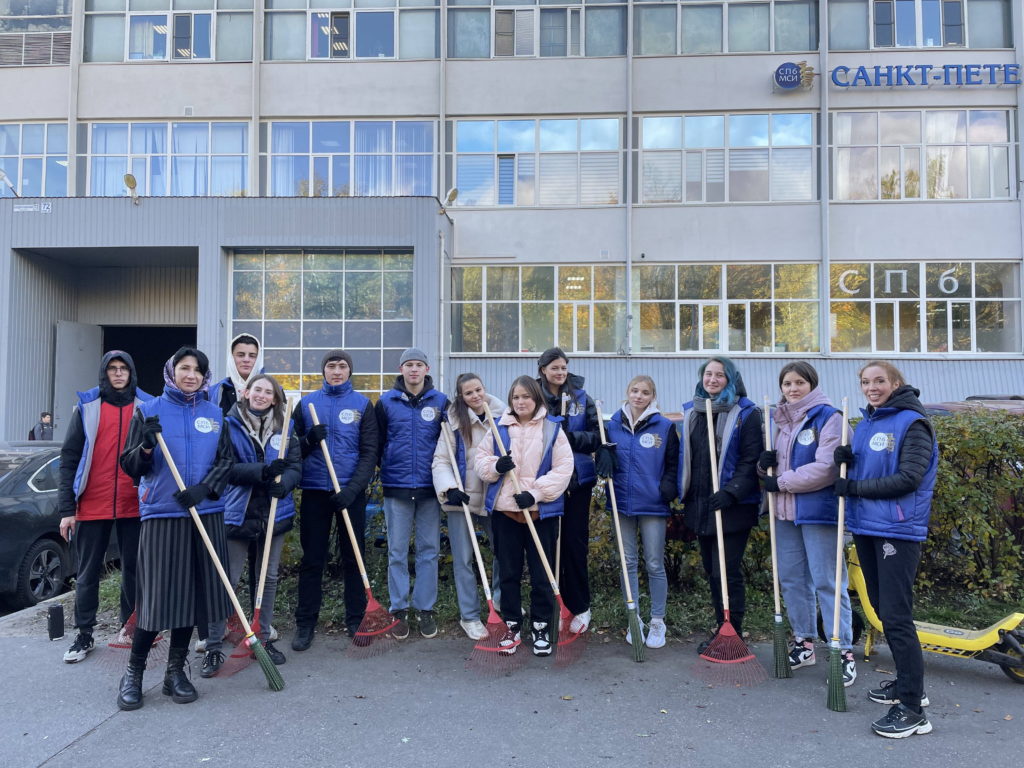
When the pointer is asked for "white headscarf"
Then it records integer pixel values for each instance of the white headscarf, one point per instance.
(236, 378)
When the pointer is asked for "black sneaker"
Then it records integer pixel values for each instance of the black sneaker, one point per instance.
(79, 649)
(428, 625)
(275, 655)
(303, 638)
(512, 639)
(212, 662)
(401, 629)
(541, 638)
(886, 694)
(900, 722)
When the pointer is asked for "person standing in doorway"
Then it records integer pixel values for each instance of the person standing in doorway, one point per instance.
(245, 357)
(44, 429)
(95, 495)
(409, 420)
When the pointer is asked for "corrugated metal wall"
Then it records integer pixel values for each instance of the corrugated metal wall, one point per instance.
(137, 295)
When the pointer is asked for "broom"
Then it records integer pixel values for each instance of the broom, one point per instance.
(731, 661)
(568, 650)
(489, 655)
(632, 609)
(836, 690)
(373, 637)
(274, 679)
(782, 668)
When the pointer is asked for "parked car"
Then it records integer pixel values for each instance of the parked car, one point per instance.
(35, 562)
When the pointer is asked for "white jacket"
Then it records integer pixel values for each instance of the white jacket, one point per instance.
(441, 466)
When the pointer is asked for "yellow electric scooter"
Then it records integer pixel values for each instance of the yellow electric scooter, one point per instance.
(999, 644)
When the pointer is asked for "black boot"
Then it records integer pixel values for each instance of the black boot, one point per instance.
(129, 691)
(176, 682)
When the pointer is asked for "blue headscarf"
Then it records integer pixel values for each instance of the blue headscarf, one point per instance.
(734, 389)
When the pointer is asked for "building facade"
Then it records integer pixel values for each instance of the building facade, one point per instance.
(642, 184)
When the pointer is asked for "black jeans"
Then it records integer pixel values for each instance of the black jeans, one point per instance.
(315, 519)
(573, 577)
(890, 566)
(91, 539)
(512, 542)
(735, 546)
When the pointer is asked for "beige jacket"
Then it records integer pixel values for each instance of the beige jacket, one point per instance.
(441, 466)
(527, 449)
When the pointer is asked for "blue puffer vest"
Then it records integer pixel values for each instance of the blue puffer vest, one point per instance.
(640, 465)
(819, 507)
(730, 452)
(552, 425)
(236, 497)
(341, 410)
(191, 431)
(412, 436)
(576, 421)
(876, 446)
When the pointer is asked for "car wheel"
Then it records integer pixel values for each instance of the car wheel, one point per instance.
(42, 573)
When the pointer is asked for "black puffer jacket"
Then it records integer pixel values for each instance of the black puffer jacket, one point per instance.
(581, 441)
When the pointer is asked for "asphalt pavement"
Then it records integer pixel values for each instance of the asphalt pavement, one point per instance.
(419, 705)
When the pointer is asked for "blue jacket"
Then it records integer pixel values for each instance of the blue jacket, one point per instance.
(876, 446)
(819, 507)
(411, 428)
(641, 464)
(236, 497)
(576, 421)
(342, 410)
(729, 454)
(546, 508)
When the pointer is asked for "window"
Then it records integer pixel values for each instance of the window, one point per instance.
(930, 307)
(735, 158)
(46, 478)
(919, 24)
(930, 154)
(480, 33)
(330, 36)
(550, 162)
(34, 156)
(303, 303)
(178, 159)
(166, 30)
(342, 158)
(37, 32)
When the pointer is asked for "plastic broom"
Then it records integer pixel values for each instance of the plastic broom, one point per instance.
(373, 637)
(636, 634)
(569, 645)
(274, 679)
(731, 662)
(495, 654)
(836, 690)
(781, 655)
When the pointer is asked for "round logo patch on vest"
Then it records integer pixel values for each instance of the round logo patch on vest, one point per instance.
(275, 442)
(647, 441)
(347, 416)
(203, 424)
(429, 413)
(574, 409)
(806, 437)
(879, 441)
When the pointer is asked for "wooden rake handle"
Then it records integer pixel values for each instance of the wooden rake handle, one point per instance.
(709, 417)
(282, 453)
(615, 513)
(840, 523)
(771, 509)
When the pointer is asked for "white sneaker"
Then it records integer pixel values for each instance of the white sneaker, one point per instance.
(124, 638)
(580, 623)
(475, 630)
(273, 634)
(201, 646)
(629, 635)
(656, 633)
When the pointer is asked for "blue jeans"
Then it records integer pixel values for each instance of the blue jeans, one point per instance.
(464, 564)
(652, 530)
(401, 516)
(807, 575)
(238, 552)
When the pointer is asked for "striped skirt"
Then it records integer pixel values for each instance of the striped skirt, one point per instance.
(178, 585)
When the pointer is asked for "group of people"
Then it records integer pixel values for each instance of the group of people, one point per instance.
(537, 453)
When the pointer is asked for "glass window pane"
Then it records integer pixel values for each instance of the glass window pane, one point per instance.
(662, 177)
(988, 22)
(791, 129)
(609, 283)
(413, 175)
(899, 127)
(375, 35)
(538, 283)
(599, 133)
(748, 175)
(285, 37)
(57, 138)
(654, 30)
(981, 172)
(414, 136)
(737, 333)
(190, 137)
(574, 284)
(855, 127)
(850, 326)
(656, 331)
(538, 327)
(700, 281)
(467, 327)
(988, 125)
(796, 281)
(513, 136)
(998, 326)
(107, 176)
(234, 37)
(248, 295)
(749, 281)
(704, 131)
(662, 132)
(189, 176)
(748, 131)
(655, 281)
(56, 176)
(748, 27)
(760, 326)
(328, 137)
(229, 138)
(945, 126)
(373, 136)
(689, 328)
(282, 291)
(362, 295)
(108, 138)
(848, 25)
(397, 296)
(289, 176)
(909, 313)
(606, 31)
(503, 283)
(947, 172)
(600, 179)
(710, 321)
(290, 137)
(372, 176)
(702, 28)
(558, 135)
(32, 139)
(475, 179)
(896, 281)
(796, 327)
(474, 136)
(147, 37)
(503, 327)
(796, 26)
(32, 177)
(466, 283)
(792, 174)
(469, 33)
(948, 280)
(418, 35)
(609, 327)
(1001, 172)
(714, 176)
(104, 38)
(856, 173)
(558, 180)
(228, 176)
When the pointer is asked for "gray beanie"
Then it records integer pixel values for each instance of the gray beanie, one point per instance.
(337, 354)
(413, 353)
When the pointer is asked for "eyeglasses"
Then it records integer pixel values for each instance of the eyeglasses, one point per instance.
(118, 369)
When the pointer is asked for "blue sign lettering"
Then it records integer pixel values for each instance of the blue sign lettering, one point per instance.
(899, 75)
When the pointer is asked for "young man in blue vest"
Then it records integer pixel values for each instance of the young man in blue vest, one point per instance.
(409, 419)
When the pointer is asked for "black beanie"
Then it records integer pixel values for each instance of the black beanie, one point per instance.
(337, 354)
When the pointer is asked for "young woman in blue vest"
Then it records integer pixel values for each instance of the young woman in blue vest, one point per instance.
(539, 452)
(891, 477)
(467, 416)
(808, 428)
(646, 466)
(178, 587)
(580, 426)
(349, 427)
(257, 420)
(737, 427)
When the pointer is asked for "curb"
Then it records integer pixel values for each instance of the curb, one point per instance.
(25, 613)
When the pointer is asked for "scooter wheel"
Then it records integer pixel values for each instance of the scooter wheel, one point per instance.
(1014, 673)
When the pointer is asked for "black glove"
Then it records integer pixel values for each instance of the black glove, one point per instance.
(768, 460)
(843, 487)
(721, 500)
(524, 500)
(277, 490)
(504, 464)
(843, 454)
(606, 460)
(669, 491)
(342, 499)
(456, 497)
(316, 435)
(771, 484)
(273, 469)
(150, 429)
(191, 496)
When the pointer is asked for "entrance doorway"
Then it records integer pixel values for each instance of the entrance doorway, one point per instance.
(150, 346)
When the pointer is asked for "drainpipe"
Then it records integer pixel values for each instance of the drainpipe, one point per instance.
(629, 181)
(74, 73)
(256, 106)
(825, 164)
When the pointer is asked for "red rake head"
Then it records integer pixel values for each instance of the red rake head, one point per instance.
(571, 645)
(114, 657)
(500, 653)
(373, 637)
(727, 661)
